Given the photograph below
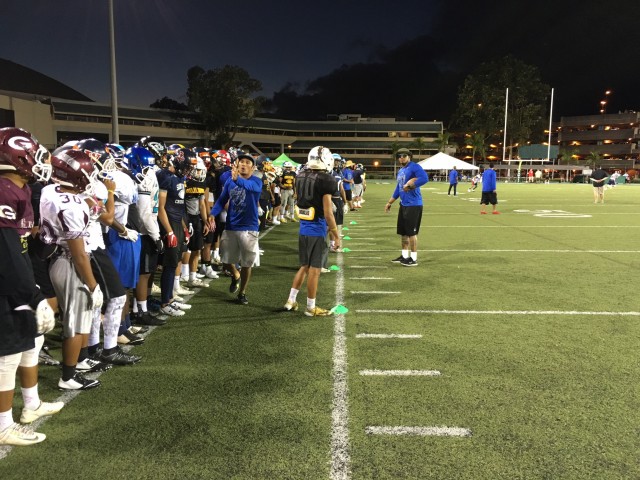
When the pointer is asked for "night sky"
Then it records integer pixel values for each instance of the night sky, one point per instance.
(582, 48)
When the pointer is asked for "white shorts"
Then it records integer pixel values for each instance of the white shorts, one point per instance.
(9, 364)
(358, 189)
(73, 299)
(239, 247)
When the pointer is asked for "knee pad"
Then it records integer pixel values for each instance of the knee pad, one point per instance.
(30, 357)
(8, 368)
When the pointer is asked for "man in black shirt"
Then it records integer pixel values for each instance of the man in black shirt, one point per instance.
(598, 178)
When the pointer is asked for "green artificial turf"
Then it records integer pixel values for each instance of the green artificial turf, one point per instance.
(245, 392)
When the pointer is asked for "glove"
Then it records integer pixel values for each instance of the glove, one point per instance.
(190, 231)
(44, 317)
(187, 235)
(260, 211)
(130, 235)
(95, 298)
(171, 240)
(160, 245)
(345, 209)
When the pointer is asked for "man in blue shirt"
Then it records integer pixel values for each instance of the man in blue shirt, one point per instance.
(453, 181)
(489, 195)
(347, 182)
(409, 180)
(239, 241)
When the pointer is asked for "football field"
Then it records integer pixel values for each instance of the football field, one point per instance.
(509, 352)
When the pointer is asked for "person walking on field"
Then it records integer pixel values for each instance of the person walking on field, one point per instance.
(453, 181)
(409, 180)
(315, 186)
(598, 177)
(489, 193)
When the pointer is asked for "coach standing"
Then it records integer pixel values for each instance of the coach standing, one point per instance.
(409, 180)
(489, 192)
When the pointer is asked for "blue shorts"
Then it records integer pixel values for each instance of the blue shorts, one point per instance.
(125, 256)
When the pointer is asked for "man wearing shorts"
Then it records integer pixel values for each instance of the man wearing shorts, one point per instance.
(409, 180)
(239, 241)
(489, 194)
(598, 178)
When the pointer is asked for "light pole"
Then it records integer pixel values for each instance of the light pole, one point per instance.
(115, 135)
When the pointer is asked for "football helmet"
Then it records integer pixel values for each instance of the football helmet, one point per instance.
(183, 160)
(359, 166)
(74, 168)
(287, 165)
(224, 158)
(156, 146)
(117, 152)
(21, 152)
(204, 154)
(97, 151)
(141, 161)
(320, 158)
(199, 171)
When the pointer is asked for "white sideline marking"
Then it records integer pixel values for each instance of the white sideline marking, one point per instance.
(493, 250)
(507, 312)
(387, 335)
(367, 238)
(401, 373)
(340, 452)
(358, 243)
(419, 431)
(521, 226)
(368, 258)
(367, 266)
(371, 278)
(373, 292)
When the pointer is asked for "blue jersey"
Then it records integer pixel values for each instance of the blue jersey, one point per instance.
(453, 177)
(489, 180)
(174, 186)
(243, 196)
(412, 198)
(347, 174)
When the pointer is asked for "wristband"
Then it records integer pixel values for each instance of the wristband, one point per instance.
(333, 229)
(111, 191)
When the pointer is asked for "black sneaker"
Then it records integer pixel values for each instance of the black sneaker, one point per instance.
(409, 262)
(89, 365)
(118, 357)
(235, 285)
(78, 382)
(145, 318)
(242, 299)
(128, 338)
(398, 260)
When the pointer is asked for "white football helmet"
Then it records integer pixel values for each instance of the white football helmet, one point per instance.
(320, 158)
(287, 164)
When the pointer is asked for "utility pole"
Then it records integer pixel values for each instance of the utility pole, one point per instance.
(115, 135)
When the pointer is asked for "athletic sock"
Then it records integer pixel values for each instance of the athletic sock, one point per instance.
(293, 294)
(405, 253)
(414, 256)
(30, 397)
(311, 303)
(6, 420)
(142, 306)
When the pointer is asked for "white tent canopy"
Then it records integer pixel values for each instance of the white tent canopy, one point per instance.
(442, 161)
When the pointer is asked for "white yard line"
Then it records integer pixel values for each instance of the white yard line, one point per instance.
(340, 451)
(371, 278)
(400, 373)
(367, 266)
(373, 292)
(387, 335)
(419, 431)
(498, 250)
(508, 312)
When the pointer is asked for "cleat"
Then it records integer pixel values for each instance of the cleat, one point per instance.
(155, 290)
(145, 318)
(235, 285)
(210, 273)
(118, 357)
(154, 305)
(398, 260)
(182, 291)
(317, 312)
(496, 213)
(197, 283)
(172, 312)
(89, 365)
(128, 338)
(20, 435)
(242, 299)
(184, 278)
(78, 382)
(483, 213)
(137, 329)
(45, 409)
(180, 306)
(409, 262)
(324, 270)
(45, 358)
(289, 306)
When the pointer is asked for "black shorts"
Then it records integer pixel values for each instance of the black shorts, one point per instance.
(106, 274)
(348, 194)
(148, 255)
(311, 250)
(277, 201)
(171, 256)
(409, 219)
(219, 229)
(41, 274)
(489, 198)
(208, 238)
(339, 213)
(196, 242)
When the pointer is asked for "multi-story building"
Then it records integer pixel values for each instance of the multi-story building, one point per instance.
(615, 137)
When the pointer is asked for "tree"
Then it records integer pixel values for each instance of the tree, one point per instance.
(477, 142)
(169, 104)
(444, 140)
(222, 97)
(593, 158)
(481, 101)
(419, 144)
